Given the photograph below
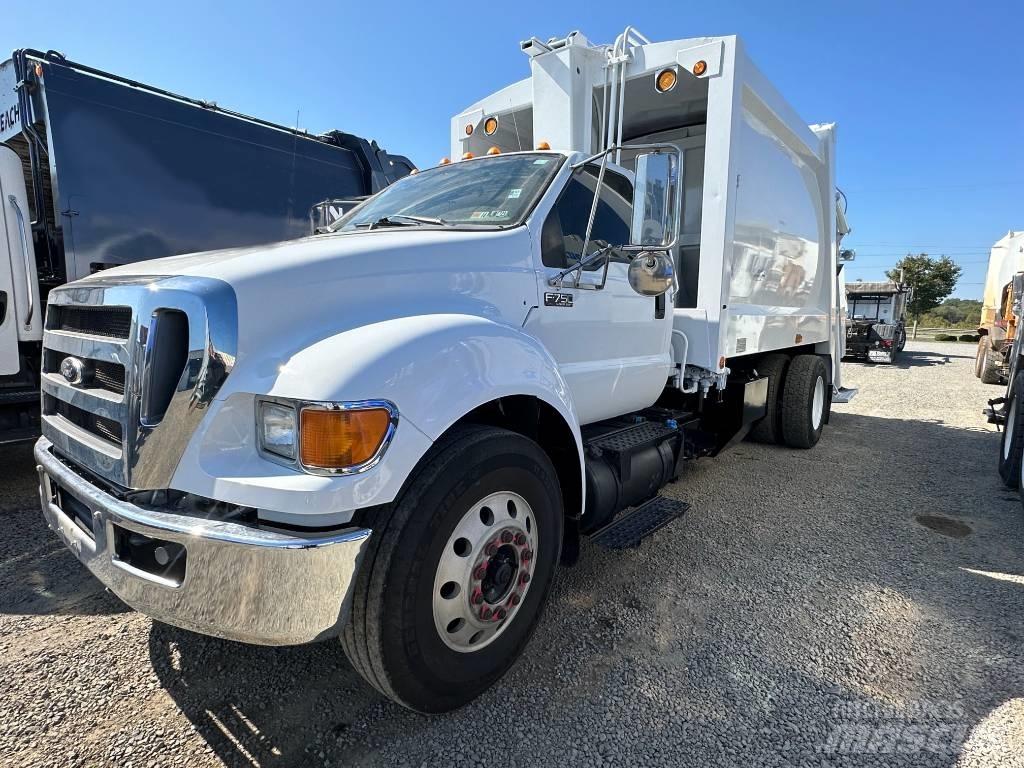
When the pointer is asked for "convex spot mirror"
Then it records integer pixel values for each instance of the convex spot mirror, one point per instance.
(651, 273)
(655, 200)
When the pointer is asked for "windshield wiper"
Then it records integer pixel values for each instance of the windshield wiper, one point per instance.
(404, 220)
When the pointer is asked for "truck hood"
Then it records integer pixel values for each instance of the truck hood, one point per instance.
(295, 293)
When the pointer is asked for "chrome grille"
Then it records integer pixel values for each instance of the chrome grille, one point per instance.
(107, 322)
(152, 353)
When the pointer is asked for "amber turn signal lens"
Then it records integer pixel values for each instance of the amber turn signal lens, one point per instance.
(543, 145)
(493, 151)
(666, 80)
(444, 161)
(469, 129)
(490, 125)
(340, 439)
(467, 155)
(700, 68)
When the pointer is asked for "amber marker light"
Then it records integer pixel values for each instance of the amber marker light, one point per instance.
(469, 129)
(444, 161)
(543, 145)
(467, 155)
(490, 125)
(665, 81)
(341, 439)
(700, 68)
(493, 151)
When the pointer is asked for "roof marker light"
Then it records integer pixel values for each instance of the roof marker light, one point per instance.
(490, 125)
(493, 151)
(665, 81)
(469, 129)
(445, 161)
(467, 155)
(543, 145)
(700, 68)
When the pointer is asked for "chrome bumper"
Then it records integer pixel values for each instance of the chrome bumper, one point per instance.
(238, 582)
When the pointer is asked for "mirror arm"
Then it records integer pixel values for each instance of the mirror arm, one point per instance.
(559, 279)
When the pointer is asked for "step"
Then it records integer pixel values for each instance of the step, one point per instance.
(633, 526)
(844, 395)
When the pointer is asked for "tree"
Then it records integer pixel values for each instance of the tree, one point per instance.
(932, 279)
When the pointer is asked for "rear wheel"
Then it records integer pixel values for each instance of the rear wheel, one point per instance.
(804, 401)
(990, 366)
(768, 429)
(1012, 444)
(458, 571)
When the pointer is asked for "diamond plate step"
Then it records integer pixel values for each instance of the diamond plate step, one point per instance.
(632, 527)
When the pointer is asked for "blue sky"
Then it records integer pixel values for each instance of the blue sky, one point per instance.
(928, 95)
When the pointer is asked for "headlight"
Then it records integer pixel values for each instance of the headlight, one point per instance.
(278, 431)
(326, 438)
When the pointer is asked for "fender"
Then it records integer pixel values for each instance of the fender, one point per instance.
(435, 368)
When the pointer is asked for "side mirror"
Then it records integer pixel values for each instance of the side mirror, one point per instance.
(651, 273)
(655, 200)
(847, 254)
(326, 212)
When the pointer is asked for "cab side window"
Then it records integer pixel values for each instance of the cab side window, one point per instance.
(565, 228)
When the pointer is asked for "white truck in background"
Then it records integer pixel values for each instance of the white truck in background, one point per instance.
(395, 431)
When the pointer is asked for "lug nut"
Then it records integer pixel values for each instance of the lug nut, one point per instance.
(500, 614)
(478, 597)
(485, 614)
(520, 539)
(515, 599)
(480, 572)
(524, 579)
(527, 555)
(506, 537)
(491, 549)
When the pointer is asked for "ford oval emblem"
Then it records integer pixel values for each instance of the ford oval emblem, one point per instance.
(72, 369)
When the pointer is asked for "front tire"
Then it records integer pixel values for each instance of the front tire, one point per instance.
(804, 401)
(437, 551)
(1011, 446)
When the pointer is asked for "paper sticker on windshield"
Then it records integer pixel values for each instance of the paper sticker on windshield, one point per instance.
(489, 215)
(542, 161)
(514, 193)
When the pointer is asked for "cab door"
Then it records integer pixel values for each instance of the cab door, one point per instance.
(20, 313)
(611, 344)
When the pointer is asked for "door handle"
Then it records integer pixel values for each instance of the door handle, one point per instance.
(26, 258)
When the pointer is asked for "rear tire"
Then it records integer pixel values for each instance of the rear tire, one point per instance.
(804, 401)
(768, 428)
(393, 637)
(989, 366)
(1011, 446)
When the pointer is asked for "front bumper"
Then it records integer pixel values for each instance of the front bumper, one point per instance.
(238, 582)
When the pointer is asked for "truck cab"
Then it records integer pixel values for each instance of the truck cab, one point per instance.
(397, 430)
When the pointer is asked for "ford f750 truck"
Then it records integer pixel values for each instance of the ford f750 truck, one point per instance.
(395, 432)
(97, 170)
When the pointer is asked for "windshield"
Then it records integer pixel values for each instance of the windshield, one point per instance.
(495, 191)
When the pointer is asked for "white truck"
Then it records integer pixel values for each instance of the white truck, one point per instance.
(395, 432)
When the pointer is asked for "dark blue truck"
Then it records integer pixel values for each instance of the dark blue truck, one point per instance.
(98, 170)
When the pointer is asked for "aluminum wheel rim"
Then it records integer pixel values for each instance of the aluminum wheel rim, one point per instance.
(818, 403)
(1008, 429)
(485, 571)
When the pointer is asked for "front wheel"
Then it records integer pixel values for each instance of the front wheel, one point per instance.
(458, 571)
(1011, 446)
(990, 366)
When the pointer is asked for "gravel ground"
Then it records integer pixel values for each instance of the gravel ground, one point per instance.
(859, 604)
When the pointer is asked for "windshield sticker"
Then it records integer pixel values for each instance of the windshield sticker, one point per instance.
(514, 193)
(489, 215)
(542, 161)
